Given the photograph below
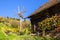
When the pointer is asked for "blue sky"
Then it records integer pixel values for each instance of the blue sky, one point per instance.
(9, 7)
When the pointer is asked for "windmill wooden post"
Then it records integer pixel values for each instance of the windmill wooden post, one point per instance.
(20, 15)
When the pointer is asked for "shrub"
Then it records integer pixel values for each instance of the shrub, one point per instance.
(5, 29)
(24, 31)
(14, 30)
(49, 24)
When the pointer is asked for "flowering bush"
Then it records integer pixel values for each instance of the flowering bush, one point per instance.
(5, 29)
(14, 30)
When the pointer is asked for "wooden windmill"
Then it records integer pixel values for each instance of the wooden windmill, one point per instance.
(20, 12)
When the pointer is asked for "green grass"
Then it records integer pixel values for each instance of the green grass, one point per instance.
(20, 37)
(12, 36)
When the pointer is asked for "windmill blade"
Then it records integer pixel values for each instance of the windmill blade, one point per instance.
(15, 14)
(20, 11)
(23, 10)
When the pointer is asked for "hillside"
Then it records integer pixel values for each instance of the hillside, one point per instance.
(12, 24)
(10, 29)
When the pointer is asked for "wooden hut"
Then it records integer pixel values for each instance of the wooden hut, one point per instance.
(52, 7)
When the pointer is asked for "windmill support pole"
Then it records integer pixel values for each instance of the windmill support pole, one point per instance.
(20, 25)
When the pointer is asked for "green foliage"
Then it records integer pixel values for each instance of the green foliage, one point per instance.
(50, 23)
(24, 31)
(12, 36)
(13, 25)
(23, 37)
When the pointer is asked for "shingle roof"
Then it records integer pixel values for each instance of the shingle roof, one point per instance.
(45, 6)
